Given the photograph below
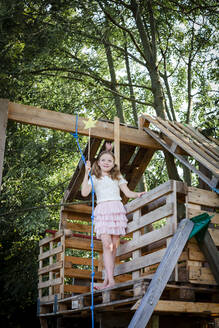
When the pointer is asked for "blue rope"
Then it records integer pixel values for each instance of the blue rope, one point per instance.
(75, 135)
(215, 190)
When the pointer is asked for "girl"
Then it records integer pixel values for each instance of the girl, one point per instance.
(109, 215)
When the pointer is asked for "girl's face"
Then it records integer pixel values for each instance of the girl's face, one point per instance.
(106, 163)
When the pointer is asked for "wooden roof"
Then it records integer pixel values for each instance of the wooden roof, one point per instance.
(175, 136)
(178, 139)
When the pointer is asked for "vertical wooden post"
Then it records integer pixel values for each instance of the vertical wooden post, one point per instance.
(62, 270)
(51, 272)
(136, 235)
(3, 125)
(172, 198)
(117, 140)
(40, 276)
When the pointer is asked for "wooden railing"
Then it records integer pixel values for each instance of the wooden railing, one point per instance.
(152, 222)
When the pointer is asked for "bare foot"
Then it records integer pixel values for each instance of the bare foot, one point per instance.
(99, 286)
(111, 284)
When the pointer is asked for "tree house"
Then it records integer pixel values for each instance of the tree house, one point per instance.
(191, 296)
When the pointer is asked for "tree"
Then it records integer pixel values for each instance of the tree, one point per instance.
(96, 59)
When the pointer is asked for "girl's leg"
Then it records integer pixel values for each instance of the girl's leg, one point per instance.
(110, 245)
(108, 258)
(115, 242)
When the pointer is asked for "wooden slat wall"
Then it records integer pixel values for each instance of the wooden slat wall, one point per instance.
(201, 201)
(50, 271)
(138, 257)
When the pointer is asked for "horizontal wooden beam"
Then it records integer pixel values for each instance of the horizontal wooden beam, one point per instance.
(167, 306)
(187, 307)
(66, 122)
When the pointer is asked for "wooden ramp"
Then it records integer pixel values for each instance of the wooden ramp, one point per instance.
(186, 229)
(174, 136)
(162, 275)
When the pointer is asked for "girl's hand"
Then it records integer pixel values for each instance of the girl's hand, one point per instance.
(87, 167)
(141, 193)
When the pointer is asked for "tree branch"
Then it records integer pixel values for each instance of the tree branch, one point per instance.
(123, 29)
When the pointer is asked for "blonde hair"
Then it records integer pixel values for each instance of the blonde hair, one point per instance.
(96, 170)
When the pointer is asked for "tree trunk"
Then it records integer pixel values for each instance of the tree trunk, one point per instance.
(151, 63)
(150, 55)
(132, 95)
(171, 166)
(113, 78)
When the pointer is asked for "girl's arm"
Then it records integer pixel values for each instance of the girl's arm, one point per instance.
(85, 187)
(130, 194)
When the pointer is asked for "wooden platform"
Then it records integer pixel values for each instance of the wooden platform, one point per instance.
(176, 298)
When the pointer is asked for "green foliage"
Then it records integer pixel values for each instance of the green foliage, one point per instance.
(53, 56)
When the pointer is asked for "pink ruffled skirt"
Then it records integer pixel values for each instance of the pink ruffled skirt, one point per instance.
(110, 218)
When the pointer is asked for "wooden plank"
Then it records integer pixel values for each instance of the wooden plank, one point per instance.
(66, 122)
(81, 208)
(3, 126)
(214, 235)
(53, 267)
(80, 260)
(203, 197)
(140, 262)
(151, 217)
(76, 289)
(83, 244)
(161, 125)
(117, 141)
(200, 137)
(162, 275)
(194, 252)
(78, 273)
(197, 141)
(211, 253)
(215, 141)
(78, 227)
(47, 240)
(68, 215)
(49, 283)
(196, 146)
(180, 158)
(136, 235)
(194, 212)
(62, 258)
(187, 307)
(201, 275)
(49, 253)
(150, 196)
(145, 239)
(49, 298)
